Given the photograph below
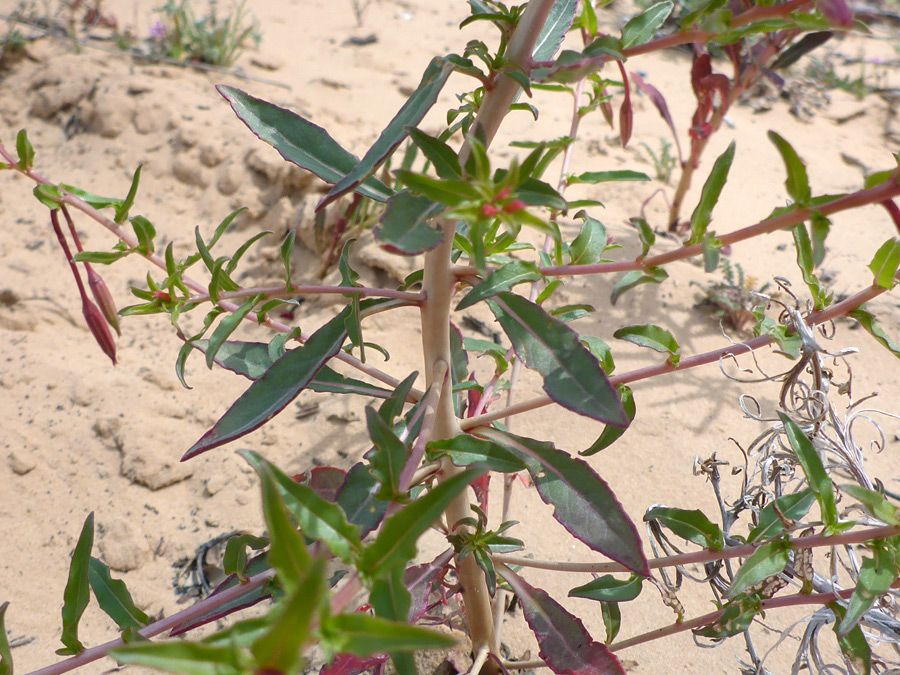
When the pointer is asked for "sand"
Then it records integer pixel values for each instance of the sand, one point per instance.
(81, 436)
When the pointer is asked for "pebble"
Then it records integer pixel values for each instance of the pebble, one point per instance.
(21, 461)
(123, 545)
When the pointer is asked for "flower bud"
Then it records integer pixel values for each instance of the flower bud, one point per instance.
(489, 210)
(514, 206)
(99, 328)
(104, 298)
(503, 194)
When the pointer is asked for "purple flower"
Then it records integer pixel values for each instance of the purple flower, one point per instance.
(158, 30)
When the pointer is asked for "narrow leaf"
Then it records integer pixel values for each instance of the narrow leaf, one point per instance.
(819, 481)
(565, 645)
(590, 244)
(288, 554)
(768, 560)
(77, 593)
(572, 375)
(226, 327)
(501, 279)
(885, 262)
(177, 656)
(582, 501)
(594, 177)
(642, 28)
(875, 578)
(441, 155)
(692, 525)
(611, 434)
(409, 115)
(6, 662)
(854, 645)
(609, 589)
(280, 385)
(634, 278)
(396, 541)
(654, 337)
(558, 22)
(299, 141)
(358, 499)
(709, 196)
(113, 597)
(797, 182)
(123, 207)
(389, 456)
(361, 634)
(404, 226)
(466, 450)
(875, 503)
(792, 507)
(868, 321)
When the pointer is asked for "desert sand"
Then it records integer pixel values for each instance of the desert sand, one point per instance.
(81, 436)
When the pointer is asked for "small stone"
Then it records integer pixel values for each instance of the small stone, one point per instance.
(151, 461)
(242, 498)
(215, 483)
(211, 154)
(83, 393)
(110, 114)
(270, 164)
(229, 179)
(189, 171)
(21, 461)
(123, 545)
(211, 522)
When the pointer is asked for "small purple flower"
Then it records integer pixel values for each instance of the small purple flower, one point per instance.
(158, 30)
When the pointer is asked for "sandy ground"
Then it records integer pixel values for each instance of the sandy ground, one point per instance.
(80, 436)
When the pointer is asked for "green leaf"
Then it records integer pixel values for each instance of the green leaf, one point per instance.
(612, 619)
(792, 507)
(766, 561)
(467, 450)
(391, 600)
(280, 649)
(609, 589)
(300, 141)
(736, 619)
(603, 353)
(854, 645)
(48, 195)
(409, 115)
(144, 231)
(288, 554)
(643, 27)
(501, 279)
(124, 206)
(590, 244)
(96, 201)
(806, 263)
(654, 337)
(235, 559)
(77, 593)
(867, 320)
(404, 225)
(712, 248)
(875, 578)
(875, 503)
(819, 481)
(287, 247)
(100, 257)
(611, 434)
(449, 192)
(634, 278)
(113, 597)
(227, 326)
(392, 408)
(6, 662)
(594, 177)
(709, 196)
(797, 182)
(884, 264)
(359, 501)
(25, 150)
(572, 375)
(534, 192)
(317, 518)
(691, 525)
(554, 30)
(565, 645)
(582, 501)
(361, 635)
(280, 385)
(441, 155)
(396, 541)
(178, 656)
(389, 457)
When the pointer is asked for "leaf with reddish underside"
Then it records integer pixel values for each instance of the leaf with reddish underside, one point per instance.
(660, 102)
(565, 645)
(348, 664)
(280, 385)
(325, 480)
(626, 114)
(582, 501)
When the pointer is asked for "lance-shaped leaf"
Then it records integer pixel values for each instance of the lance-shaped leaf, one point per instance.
(641, 28)
(299, 141)
(501, 279)
(792, 507)
(611, 434)
(572, 375)
(565, 645)
(660, 102)
(692, 525)
(288, 554)
(610, 589)
(404, 226)
(582, 501)
(77, 593)
(875, 503)
(361, 634)
(391, 600)
(317, 518)
(358, 497)
(854, 645)
(177, 656)
(442, 157)
(768, 560)
(634, 278)
(280, 648)
(594, 177)
(396, 542)
(113, 597)
(797, 182)
(389, 456)
(280, 385)
(226, 327)
(806, 263)
(409, 115)
(654, 337)
(6, 662)
(885, 262)
(466, 450)
(709, 196)
(875, 577)
(868, 321)
(253, 359)
(555, 28)
(590, 244)
(819, 481)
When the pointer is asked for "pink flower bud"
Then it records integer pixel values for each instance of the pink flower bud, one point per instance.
(99, 328)
(161, 295)
(514, 206)
(104, 298)
(503, 194)
(489, 210)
